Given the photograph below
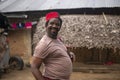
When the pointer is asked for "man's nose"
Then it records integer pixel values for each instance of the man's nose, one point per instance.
(55, 26)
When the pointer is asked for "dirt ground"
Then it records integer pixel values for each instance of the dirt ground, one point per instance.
(25, 74)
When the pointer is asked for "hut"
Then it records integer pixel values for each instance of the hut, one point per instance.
(91, 28)
(91, 31)
(93, 38)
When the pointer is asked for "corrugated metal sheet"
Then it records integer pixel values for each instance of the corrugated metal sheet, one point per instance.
(33, 5)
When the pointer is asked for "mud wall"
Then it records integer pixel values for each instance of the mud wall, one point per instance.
(20, 43)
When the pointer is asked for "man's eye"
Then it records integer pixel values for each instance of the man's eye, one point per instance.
(58, 24)
(51, 23)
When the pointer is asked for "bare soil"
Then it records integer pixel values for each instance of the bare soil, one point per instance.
(26, 74)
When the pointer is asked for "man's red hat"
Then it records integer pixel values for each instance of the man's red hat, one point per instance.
(52, 15)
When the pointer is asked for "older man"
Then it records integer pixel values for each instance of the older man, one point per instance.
(52, 52)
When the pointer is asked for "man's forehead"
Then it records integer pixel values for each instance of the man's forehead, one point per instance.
(54, 20)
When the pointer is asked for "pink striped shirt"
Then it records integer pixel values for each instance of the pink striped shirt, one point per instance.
(55, 58)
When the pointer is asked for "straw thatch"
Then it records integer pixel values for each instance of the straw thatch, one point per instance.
(89, 31)
(2, 46)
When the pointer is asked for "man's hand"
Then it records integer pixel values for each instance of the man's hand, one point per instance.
(35, 65)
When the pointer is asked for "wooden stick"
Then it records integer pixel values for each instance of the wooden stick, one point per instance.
(106, 20)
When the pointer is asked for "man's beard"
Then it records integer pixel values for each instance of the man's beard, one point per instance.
(54, 35)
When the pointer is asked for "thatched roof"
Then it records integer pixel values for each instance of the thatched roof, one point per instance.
(89, 31)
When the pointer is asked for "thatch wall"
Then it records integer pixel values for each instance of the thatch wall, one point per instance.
(89, 31)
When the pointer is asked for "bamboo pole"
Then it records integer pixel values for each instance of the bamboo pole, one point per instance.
(106, 20)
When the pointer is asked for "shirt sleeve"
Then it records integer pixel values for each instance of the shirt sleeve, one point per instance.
(41, 50)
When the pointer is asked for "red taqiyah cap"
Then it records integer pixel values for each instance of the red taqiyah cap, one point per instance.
(52, 15)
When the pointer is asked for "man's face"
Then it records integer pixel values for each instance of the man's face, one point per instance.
(53, 27)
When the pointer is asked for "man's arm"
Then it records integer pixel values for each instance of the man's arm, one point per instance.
(35, 65)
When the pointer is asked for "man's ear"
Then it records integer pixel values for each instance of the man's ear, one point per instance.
(46, 24)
